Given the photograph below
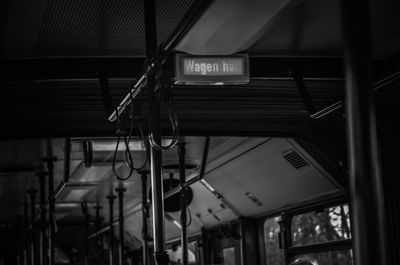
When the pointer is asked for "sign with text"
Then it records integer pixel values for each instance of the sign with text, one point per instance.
(211, 70)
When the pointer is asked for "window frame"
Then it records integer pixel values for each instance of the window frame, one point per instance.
(301, 208)
(194, 238)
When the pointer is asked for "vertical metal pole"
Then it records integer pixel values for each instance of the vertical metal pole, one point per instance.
(182, 178)
(111, 199)
(32, 255)
(284, 237)
(367, 203)
(50, 168)
(145, 216)
(87, 226)
(98, 225)
(25, 237)
(43, 250)
(121, 224)
(160, 255)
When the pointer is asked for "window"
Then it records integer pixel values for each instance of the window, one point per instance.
(229, 256)
(175, 253)
(330, 224)
(274, 255)
(322, 236)
(344, 257)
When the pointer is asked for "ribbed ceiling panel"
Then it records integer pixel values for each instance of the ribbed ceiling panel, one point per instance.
(305, 27)
(169, 13)
(103, 28)
(92, 27)
(75, 107)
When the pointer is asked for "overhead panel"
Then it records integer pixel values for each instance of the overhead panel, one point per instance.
(22, 27)
(85, 28)
(229, 26)
(103, 28)
(168, 15)
(269, 176)
(303, 27)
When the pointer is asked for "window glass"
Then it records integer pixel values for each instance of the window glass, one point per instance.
(331, 224)
(229, 256)
(175, 254)
(329, 258)
(274, 255)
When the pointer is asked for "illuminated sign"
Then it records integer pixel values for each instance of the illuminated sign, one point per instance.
(211, 70)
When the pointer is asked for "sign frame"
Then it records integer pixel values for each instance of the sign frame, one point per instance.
(181, 78)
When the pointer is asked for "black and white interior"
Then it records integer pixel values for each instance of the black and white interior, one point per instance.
(67, 64)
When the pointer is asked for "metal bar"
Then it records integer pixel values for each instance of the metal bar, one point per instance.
(121, 224)
(87, 224)
(32, 194)
(67, 160)
(59, 189)
(26, 245)
(50, 159)
(111, 199)
(103, 230)
(284, 237)
(365, 182)
(321, 247)
(186, 23)
(105, 92)
(116, 222)
(52, 231)
(182, 180)
(134, 91)
(43, 250)
(200, 176)
(98, 223)
(337, 105)
(145, 216)
(327, 110)
(307, 100)
(160, 255)
(386, 81)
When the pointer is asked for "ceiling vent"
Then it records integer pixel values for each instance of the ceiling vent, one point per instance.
(295, 159)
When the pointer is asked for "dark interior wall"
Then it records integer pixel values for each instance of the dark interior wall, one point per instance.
(71, 241)
(388, 126)
(249, 241)
(8, 247)
(216, 239)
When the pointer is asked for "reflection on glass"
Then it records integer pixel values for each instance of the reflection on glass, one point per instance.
(229, 256)
(331, 224)
(330, 258)
(274, 255)
(175, 254)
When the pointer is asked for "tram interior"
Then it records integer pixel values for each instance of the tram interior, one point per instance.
(267, 165)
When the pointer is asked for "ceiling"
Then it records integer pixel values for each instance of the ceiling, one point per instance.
(250, 175)
(61, 28)
(53, 53)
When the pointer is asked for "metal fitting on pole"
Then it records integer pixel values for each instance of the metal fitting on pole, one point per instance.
(121, 224)
(43, 249)
(182, 180)
(32, 248)
(365, 179)
(145, 216)
(111, 199)
(98, 225)
(51, 199)
(87, 224)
